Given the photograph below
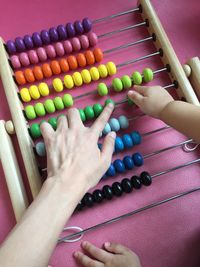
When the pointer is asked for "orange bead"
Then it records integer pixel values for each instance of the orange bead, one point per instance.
(19, 76)
(81, 60)
(46, 70)
(90, 57)
(72, 61)
(28, 73)
(98, 54)
(64, 65)
(55, 67)
(38, 73)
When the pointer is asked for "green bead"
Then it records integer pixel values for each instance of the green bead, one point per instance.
(137, 78)
(89, 112)
(53, 122)
(35, 130)
(98, 108)
(109, 101)
(82, 114)
(102, 89)
(58, 103)
(130, 102)
(147, 75)
(68, 100)
(39, 109)
(117, 84)
(126, 80)
(49, 106)
(30, 112)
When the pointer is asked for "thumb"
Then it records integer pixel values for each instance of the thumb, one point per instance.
(136, 97)
(108, 147)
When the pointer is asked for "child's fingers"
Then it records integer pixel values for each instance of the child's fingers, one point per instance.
(95, 252)
(115, 248)
(86, 261)
(136, 97)
(140, 89)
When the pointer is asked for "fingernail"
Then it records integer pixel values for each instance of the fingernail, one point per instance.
(113, 135)
(110, 105)
(76, 253)
(84, 243)
(130, 93)
(107, 244)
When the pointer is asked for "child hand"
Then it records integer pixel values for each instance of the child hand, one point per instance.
(152, 100)
(113, 255)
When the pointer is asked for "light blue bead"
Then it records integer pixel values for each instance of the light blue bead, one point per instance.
(119, 145)
(127, 140)
(119, 166)
(107, 128)
(40, 149)
(136, 138)
(123, 121)
(114, 124)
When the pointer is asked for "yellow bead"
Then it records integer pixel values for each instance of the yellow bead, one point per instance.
(68, 81)
(77, 78)
(25, 95)
(34, 92)
(43, 89)
(103, 72)
(111, 67)
(86, 76)
(57, 85)
(94, 74)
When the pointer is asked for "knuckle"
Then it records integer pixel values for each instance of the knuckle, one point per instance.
(91, 263)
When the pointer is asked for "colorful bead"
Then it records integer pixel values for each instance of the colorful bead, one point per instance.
(94, 74)
(107, 129)
(15, 62)
(82, 115)
(86, 76)
(137, 78)
(24, 59)
(117, 189)
(35, 130)
(107, 192)
(39, 109)
(53, 34)
(51, 52)
(97, 196)
(84, 42)
(130, 102)
(45, 37)
(98, 54)
(28, 42)
(42, 54)
(25, 95)
(78, 27)
(123, 121)
(68, 81)
(81, 60)
(147, 75)
(34, 92)
(49, 106)
(103, 72)
(37, 71)
(102, 89)
(111, 172)
(127, 140)
(19, 76)
(87, 24)
(76, 45)
(72, 61)
(77, 78)
(62, 32)
(135, 181)
(146, 178)
(109, 101)
(119, 166)
(88, 200)
(117, 84)
(128, 162)
(70, 30)
(46, 70)
(93, 39)
(19, 44)
(136, 138)
(58, 103)
(40, 149)
(28, 73)
(89, 112)
(36, 39)
(43, 89)
(64, 65)
(11, 48)
(119, 145)
(67, 46)
(55, 67)
(33, 56)
(59, 49)
(53, 122)
(126, 185)
(137, 159)
(114, 124)
(98, 108)
(126, 80)
(68, 100)
(111, 67)
(30, 112)
(89, 57)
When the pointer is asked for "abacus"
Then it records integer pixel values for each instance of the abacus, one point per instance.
(68, 49)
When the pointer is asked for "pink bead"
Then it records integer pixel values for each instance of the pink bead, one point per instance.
(15, 62)
(59, 49)
(42, 54)
(93, 39)
(84, 41)
(24, 59)
(67, 46)
(33, 56)
(50, 50)
(76, 44)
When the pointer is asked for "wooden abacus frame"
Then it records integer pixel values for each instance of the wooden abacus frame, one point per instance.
(194, 73)
(169, 58)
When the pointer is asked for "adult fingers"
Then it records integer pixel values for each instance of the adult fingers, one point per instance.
(47, 132)
(96, 253)
(108, 147)
(62, 123)
(73, 117)
(86, 261)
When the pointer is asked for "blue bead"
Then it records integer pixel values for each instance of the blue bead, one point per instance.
(136, 138)
(114, 124)
(119, 166)
(128, 162)
(137, 159)
(111, 171)
(127, 140)
(119, 145)
(40, 149)
(99, 146)
(107, 128)
(123, 121)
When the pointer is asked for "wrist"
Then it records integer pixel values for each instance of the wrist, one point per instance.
(165, 110)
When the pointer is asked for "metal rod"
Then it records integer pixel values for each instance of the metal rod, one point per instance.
(169, 86)
(129, 214)
(155, 131)
(115, 15)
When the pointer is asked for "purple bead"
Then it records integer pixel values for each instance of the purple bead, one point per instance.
(53, 34)
(10, 45)
(28, 42)
(70, 30)
(37, 39)
(45, 37)
(87, 24)
(62, 32)
(78, 27)
(19, 44)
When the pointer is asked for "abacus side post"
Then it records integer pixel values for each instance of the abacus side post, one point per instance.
(169, 56)
(12, 173)
(19, 122)
(194, 77)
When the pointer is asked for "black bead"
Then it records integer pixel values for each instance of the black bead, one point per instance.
(126, 185)
(107, 192)
(117, 189)
(135, 181)
(145, 178)
(87, 200)
(80, 206)
(97, 196)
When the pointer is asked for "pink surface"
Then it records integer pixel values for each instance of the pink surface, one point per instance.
(168, 235)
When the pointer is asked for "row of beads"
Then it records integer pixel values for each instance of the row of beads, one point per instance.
(76, 79)
(55, 67)
(48, 36)
(41, 54)
(116, 189)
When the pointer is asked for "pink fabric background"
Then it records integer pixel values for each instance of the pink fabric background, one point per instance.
(168, 235)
